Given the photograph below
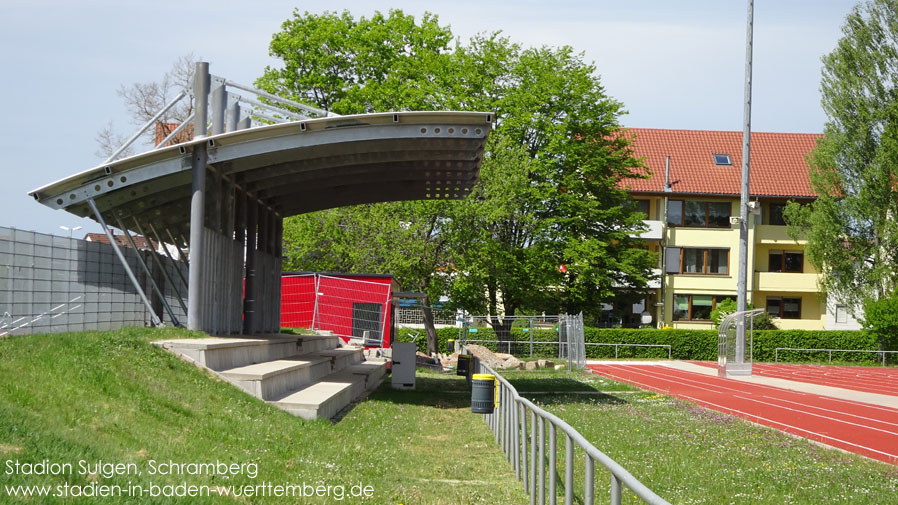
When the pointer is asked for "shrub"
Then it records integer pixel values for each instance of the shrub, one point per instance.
(761, 321)
(881, 320)
(700, 345)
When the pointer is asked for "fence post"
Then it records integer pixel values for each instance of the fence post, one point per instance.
(542, 461)
(568, 470)
(523, 430)
(553, 464)
(531, 338)
(830, 357)
(589, 485)
(615, 490)
(533, 442)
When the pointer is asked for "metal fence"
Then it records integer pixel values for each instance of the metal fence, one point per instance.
(537, 467)
(572, 341)
(562, 336)
(883, 354)
(619, 345)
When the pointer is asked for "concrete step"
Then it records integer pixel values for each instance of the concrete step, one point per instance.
(324, 399)
(373, 373)
(340, 358)
(218, 353)
(223, 353)
(314, 343)
(272, 379)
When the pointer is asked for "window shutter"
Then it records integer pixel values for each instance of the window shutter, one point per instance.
(672, 259)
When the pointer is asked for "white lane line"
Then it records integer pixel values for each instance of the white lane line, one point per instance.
(861, 404)
(771, 421)
(894, 433)
(668, 379)
(834, 411)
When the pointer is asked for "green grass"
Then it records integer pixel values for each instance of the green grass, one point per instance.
(111, 396)
(688, 454)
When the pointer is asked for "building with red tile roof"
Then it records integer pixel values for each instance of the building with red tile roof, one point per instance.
(778, 162)
(694, 228)
(139, 241)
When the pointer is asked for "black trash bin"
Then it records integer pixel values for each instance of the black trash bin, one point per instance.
(483, 393)
(464, 365)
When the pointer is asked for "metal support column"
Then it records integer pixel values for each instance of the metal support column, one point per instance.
(124, 262)
(233, 115)
(146, 270)
(196, 293)
(249, 301)
(219, 104)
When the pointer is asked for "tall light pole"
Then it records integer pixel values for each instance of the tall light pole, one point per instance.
(70, 230)
(742, 284)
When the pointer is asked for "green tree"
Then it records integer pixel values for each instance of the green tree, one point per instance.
(405, 239)
(552, 180)
(344, 65)
(552, 188)
(851, 227)
(881, 319)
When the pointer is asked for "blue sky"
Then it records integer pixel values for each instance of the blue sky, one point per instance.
(673, 65)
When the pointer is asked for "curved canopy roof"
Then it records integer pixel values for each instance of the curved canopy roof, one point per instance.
(292, 168)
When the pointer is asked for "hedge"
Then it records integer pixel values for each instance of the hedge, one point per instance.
(685, 344)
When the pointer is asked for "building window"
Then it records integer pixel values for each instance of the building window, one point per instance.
(705, 261)
(699, 214)
(696, 307)
(785, 308)
(722, 159)
(776, 214)
(786, 261)
(841, 313)
(643, 206)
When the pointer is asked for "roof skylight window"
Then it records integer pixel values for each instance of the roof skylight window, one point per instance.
(722, 159)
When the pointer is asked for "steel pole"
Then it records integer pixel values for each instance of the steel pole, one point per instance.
(249, 299)
(195, 292)
(742, 284)
(124, 262)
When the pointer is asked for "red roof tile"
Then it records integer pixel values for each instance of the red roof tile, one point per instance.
(778, 166)
(140, 242)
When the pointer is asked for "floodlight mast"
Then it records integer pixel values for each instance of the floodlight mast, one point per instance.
(741, 300)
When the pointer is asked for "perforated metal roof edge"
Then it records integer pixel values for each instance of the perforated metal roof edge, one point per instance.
(294, 167)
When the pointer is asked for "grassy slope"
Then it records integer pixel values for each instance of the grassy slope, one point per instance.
(113, 397)
(688, 454)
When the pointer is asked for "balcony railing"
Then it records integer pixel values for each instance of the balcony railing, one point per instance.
(653, 232)
(786, 281)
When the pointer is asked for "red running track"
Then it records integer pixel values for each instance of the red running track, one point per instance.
(857, 378)
(870, 430)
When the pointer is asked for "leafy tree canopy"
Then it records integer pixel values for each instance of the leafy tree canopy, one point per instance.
(851, 228)
(551, 180)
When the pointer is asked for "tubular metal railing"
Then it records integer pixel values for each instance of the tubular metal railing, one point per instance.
(537, 468)
(278, 106)
(776, 352)
(616, 346)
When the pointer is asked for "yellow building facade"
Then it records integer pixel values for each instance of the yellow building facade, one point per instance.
(690, 196)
